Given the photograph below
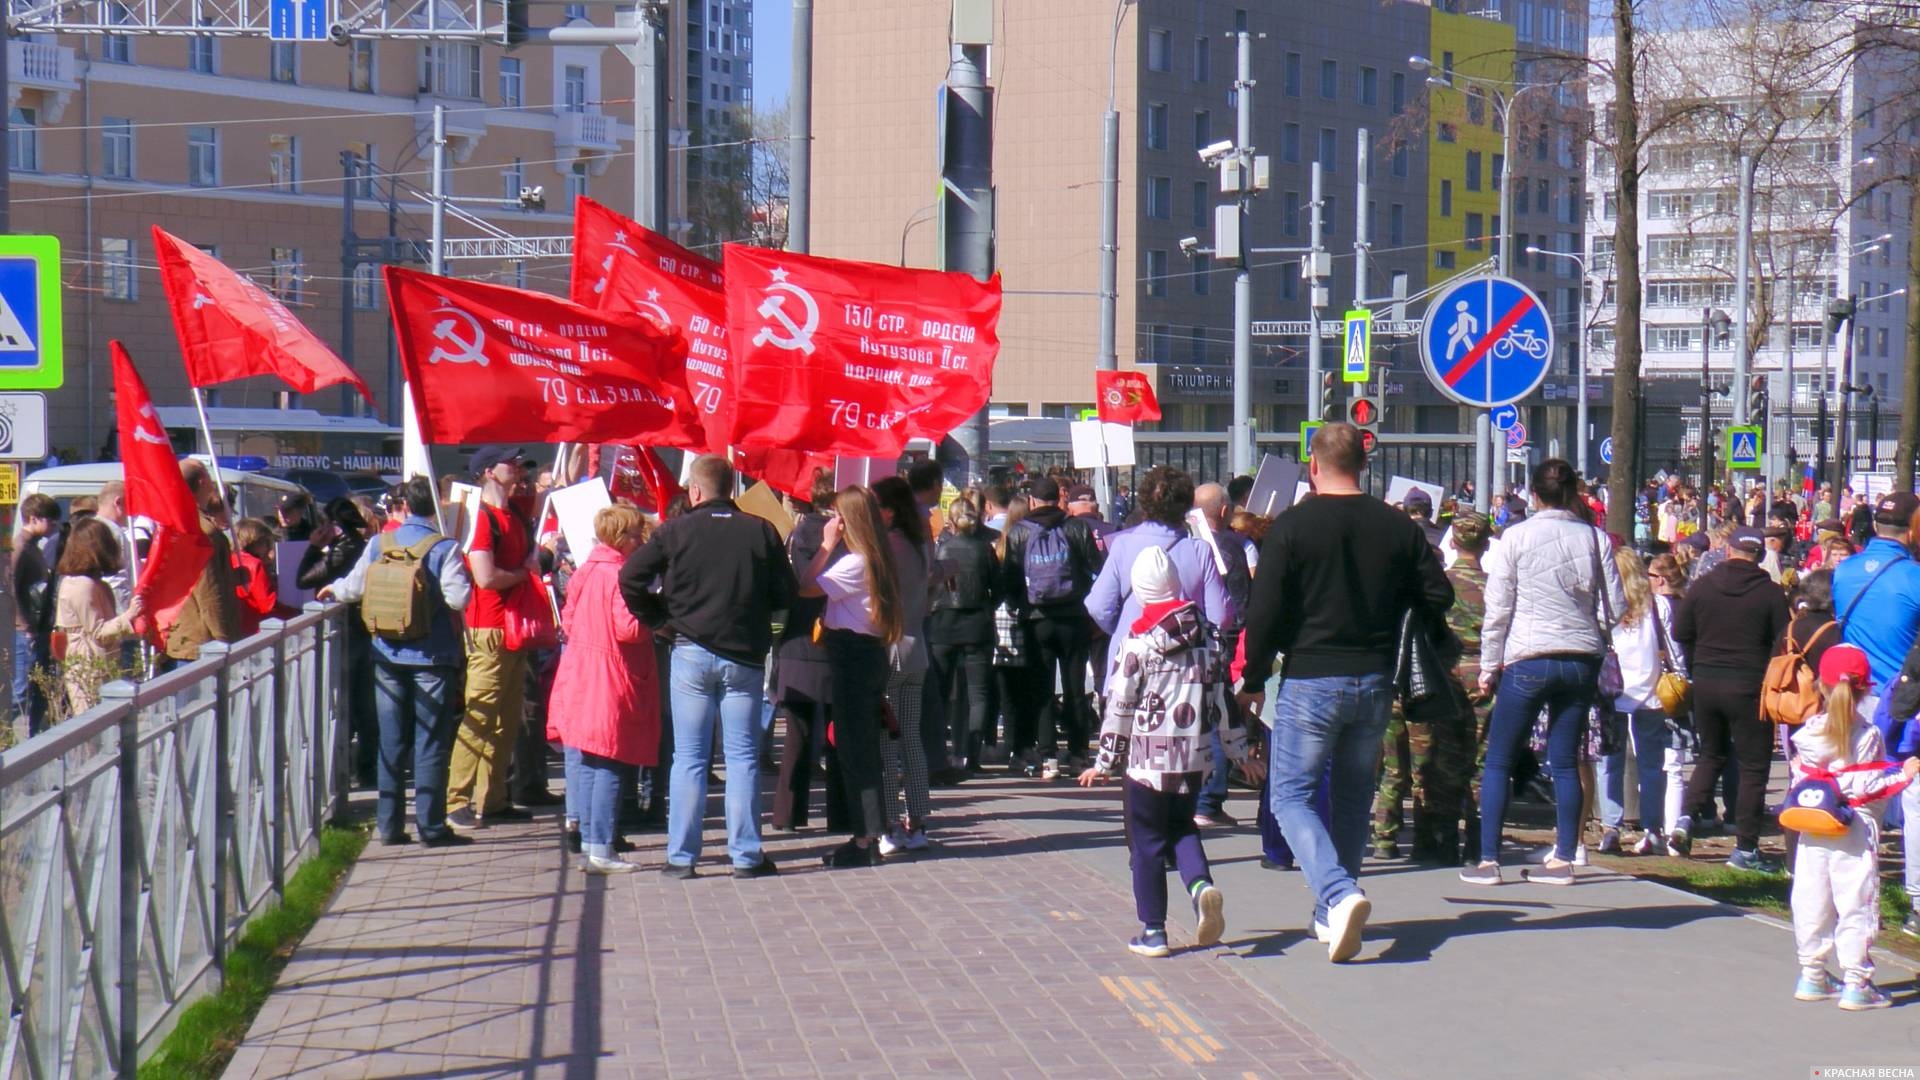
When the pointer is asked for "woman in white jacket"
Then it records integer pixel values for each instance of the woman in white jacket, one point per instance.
(1553, 594)
(1642, 637)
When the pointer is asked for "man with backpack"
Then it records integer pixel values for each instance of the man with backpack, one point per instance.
(1048, 571)
(409, 583)
(1878, 594)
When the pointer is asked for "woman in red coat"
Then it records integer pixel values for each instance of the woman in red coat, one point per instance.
(605, 705)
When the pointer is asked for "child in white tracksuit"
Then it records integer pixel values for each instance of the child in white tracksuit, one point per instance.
(1165, 693)
(1836, 879)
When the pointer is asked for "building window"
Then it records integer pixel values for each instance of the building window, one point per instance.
(1159, 51)
(366, 286)
(1202, 59)
(1396, 224)
(1329, 152)
(1156, 126)
(578, 11)
(116, 147)
(1443, 260)
(286, 274)
(203, 156)
(1476, 106)
(512, 179)
(200, 54)
(1196, 344)
(512, 82)
(1880, 339)
(1160, 197)
(1329, 78)
(1400, 160)
(576, 182)
(364, 163)
(1293, 74)
(1156, 273)
(360, 76)
(1543, 192)
(574, 89)
(1290, 143)
(1202, 204)
(1473, 170)
(1290, 213)
(1447, 132)
(117, 280)
(1202, 275)
(1475, 223)
(117, 48)
(1202, 129)
(281, 62)
(1446, 198)
(450, 69)
(1290, 281)
(283, 162)
(1399, 92)
(1369, 86)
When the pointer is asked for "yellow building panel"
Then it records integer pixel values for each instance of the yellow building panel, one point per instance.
(1464, 127)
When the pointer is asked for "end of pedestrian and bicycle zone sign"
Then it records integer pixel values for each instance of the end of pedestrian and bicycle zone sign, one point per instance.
(1486, 341)
(32, 355)
(1745, 447)
(1356, 364)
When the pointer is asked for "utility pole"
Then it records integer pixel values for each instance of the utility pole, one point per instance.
(966, 193)
(1743, 251)
(1316, 299)
(1840, 319)
(1241, 447)
(1706, 419)
(1909, 444)
(800, 132)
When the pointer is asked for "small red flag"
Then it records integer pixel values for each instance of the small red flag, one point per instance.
(157, 492)
(1125, 397)
(230, 328)
(640, 477)
(852, 358)
(488, 363)
(621, 266)
(791, 471)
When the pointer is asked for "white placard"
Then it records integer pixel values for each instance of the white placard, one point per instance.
(1275, 486)
(1097, 445)
(1399, 486)
(1199, 529)
(286, 560)
(862, 471)
(1301, 491)
(575, 507)
(1873, 485)
(463, 502)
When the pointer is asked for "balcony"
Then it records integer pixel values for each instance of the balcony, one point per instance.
(48, 68)
(584, 133)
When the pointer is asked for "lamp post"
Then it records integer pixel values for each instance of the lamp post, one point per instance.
(1108, 359)
(1580, 327)
(1713, 323)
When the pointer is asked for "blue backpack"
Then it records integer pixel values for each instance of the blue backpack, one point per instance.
(1049, 566)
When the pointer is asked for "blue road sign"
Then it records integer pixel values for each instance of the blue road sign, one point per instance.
(1486, 341)
(297, 20)
(1743, 447)
(1517, 436)
(32, 355)
(1505, 417)
(1606, 450)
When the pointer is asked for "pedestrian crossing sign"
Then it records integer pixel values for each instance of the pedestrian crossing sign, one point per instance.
(1307, 428)
(1744, 447)
(31, 352)
(1356, 359)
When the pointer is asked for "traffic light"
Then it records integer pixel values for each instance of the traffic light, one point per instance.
(1329, 408)
(1757, 400)
(1364, 413)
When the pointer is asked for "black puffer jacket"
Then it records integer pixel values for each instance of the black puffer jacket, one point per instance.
(963, 611)
(331, 555)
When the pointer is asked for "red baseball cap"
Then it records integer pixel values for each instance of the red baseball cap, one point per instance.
(1846, 663)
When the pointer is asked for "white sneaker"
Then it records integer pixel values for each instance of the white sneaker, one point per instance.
(889, 846)
(916, 840)
(1322, 933)
(1210, 915)
(594, 864)
(1345, 921)
(1648, 844)
(1580, 855)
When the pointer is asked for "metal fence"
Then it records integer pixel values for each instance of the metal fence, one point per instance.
(137, 839)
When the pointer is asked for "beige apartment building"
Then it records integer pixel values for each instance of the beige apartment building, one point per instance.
(245, 148)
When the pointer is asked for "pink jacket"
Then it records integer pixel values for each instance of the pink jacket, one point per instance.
(606, 693)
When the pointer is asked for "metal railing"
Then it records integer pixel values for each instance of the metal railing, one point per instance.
(137, 839)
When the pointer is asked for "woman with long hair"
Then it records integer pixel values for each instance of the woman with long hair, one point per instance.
(1013, 666)
(860, 622)
(906, 756)
(1643, 641)
(85, 612)
(961, 631)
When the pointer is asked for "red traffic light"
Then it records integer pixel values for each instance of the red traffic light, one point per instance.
(1363, 413)
(1368, 440)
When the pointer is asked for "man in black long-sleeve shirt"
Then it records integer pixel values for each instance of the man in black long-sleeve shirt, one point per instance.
(1337, 575)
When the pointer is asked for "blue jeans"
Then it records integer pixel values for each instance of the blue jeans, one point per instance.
(418, 710)
(707, 687)
(1213, 797)
(1321, 727)
(597, 781)
(1648, 730)
(1564, 687)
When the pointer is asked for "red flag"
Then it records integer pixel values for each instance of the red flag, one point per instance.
(790, 471)
(1125, 396)
(230, 328)
(641, 477)
(620, 266)
(156, 491)
(488, 363)
(854, 358)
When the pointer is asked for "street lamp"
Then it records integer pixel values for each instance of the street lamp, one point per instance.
(1841, 314)
(1108, 359)
(1580, 327)
(1715, 325)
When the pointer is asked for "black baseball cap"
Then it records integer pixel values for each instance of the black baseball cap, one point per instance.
(1896, 508)
(488, 456)
(1747, 539)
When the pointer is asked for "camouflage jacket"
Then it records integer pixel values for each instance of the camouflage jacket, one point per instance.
(1469, 607)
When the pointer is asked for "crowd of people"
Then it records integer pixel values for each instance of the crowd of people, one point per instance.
(1355, 660)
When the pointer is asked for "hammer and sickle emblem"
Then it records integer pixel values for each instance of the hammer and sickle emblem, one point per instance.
(457, 349)
(140, 432)
(201, 300)
(798, 335)
(606, 264)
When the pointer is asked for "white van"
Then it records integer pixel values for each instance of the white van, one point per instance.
(251, 494)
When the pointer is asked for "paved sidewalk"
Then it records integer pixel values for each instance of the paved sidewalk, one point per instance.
(1004, 955)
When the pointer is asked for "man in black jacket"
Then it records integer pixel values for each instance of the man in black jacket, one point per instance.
(1062, 631)
(721, 575)
(1727, 627)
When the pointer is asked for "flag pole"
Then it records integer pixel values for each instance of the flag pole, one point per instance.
(213, 456)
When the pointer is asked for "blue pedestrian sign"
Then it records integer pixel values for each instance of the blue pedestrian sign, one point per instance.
(32, 354)
(1505, 417)
(1744, 447)
(1486, 341)
(1606, 450)
(1356, 364)
(297, 20)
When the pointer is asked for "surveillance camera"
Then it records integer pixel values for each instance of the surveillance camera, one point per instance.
(339, 34)
(1188, 245)
(533, 198)
(1217, 151)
